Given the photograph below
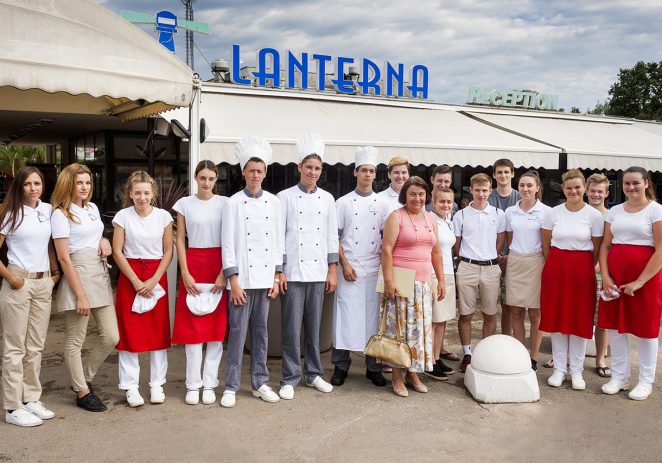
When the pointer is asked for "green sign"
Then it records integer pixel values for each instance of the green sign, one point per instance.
(513, 98)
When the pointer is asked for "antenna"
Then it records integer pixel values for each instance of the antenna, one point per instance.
(188, 6)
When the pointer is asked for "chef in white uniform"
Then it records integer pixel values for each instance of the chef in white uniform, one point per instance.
(361, 217)
(398, 173)
(311, 256)
(252, 261)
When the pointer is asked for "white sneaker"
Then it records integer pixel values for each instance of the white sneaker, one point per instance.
(192, 397)
(556, 379)
(641, 391)
(156, 395)
(38, 409)
(286, 392)
(134, 398)
(22, 417)
(228, 400)
(267, 394)
(208, 396)
(321, 385)
(614, 386)
(578, 383)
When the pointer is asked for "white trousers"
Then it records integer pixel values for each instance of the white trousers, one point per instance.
(620, 357)
(130, 369)
(568, 345)
(209, 377)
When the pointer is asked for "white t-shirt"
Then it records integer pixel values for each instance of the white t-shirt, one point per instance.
(479, 230)
(634, 227)
(27, 245)
(446, 238)
(143, 236)
(85, 234)
(525, 227)
(203, 220)
(572, 231)
(390, 196)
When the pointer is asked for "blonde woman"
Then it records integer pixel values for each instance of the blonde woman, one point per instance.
(86, 290)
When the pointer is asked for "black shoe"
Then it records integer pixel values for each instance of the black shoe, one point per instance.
(534, 365)
(437, 373)
(338, 378)
(466, 361)
(376, 377)
(91, 403)
(446, 369)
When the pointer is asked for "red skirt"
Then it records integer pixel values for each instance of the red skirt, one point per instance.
(639, 314)
(567, 295)
(147, 331)
(204, 264)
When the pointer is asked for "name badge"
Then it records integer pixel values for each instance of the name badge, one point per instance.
(533, 217)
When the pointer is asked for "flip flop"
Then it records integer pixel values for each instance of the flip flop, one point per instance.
(449, 356)
(603, 372)
(548, 364)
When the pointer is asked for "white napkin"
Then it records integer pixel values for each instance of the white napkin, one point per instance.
(142, 304)
(205, 302)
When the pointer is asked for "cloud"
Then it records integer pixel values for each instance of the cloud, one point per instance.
(573, 49)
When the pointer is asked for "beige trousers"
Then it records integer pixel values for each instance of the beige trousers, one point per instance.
(76, 331)
(25, 314)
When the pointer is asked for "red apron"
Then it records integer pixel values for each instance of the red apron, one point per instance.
(639, 314)
(142, 332)
(204, 264)
(567, 294)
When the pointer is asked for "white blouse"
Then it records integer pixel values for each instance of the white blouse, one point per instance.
(84, 234)
(27, 245)
(203, 220)
(573, 230)
(143, 236)
(634, 227)
(525, 227)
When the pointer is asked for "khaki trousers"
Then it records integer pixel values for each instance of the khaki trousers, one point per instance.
(76, 331)
(25, 314)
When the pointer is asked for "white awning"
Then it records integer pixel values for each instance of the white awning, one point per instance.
(425, 133)
(52, 50)
(590, 142)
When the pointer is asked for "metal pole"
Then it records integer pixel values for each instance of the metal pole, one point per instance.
(194, 141)
(150, 147)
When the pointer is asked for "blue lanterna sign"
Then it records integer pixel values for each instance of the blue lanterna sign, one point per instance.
(166, 24)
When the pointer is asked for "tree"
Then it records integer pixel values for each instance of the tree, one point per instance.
(575, 110)
(599, 108)
(637, 93)
(13, 157)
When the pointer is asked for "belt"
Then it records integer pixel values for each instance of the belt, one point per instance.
(19, 272)
(480, 262)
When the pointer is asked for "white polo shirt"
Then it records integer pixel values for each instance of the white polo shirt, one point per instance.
(572, 231)
(84, 234)
(27, 245)
(390, 196)
(446, 238)
(479, 230)
(634, 227)
(525, 227)
(143, 236)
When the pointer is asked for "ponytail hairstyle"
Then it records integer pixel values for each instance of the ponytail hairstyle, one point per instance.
(65, 189)
(139, 176)
(646, 177)
(12, 206)
(536, 178)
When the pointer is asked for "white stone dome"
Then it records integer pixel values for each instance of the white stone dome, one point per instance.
(502, 355)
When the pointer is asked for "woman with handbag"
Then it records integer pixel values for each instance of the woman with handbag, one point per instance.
(410, 242)
(142, 248)
(199, 218)
(630, 260)
(86, 288)
(571, 236)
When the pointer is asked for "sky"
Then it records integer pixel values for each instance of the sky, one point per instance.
(573, 49)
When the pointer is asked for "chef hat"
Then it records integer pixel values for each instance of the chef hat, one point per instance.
(365, 155)
(142, 304)
(310, 143)
(252, 147)
(205, 302)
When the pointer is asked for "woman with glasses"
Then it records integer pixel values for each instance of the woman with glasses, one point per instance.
(86, 290)
(25, 297)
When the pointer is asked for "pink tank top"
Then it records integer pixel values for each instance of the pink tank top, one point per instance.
(413, 249)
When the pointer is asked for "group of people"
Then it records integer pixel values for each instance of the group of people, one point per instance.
(237, 254)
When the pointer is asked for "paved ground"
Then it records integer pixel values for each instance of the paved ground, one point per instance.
(356, 422)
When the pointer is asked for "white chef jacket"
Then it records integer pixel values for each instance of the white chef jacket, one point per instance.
(391, 197)
(252, 240)
(356, 310)
(310, 229)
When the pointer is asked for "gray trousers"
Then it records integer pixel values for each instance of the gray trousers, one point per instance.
(302, 302)
(255, 312)
(342, 359)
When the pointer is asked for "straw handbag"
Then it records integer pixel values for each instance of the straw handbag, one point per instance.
(395, 352)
